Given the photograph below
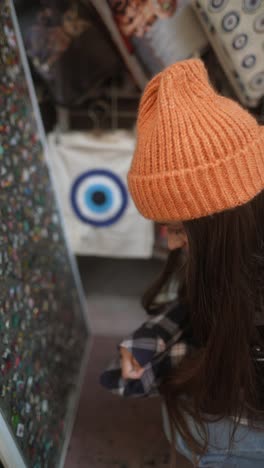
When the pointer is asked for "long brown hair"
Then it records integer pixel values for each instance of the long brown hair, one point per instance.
(173, 271)
(224, 293)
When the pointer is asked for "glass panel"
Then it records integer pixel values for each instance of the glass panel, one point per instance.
(43, 331)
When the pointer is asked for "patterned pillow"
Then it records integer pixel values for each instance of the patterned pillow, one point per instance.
(235, 30)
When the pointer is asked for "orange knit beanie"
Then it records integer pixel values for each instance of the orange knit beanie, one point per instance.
(197, 152)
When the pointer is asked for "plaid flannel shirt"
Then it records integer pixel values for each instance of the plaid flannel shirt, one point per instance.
(158, 346)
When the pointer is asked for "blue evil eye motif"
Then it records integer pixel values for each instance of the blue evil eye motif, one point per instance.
(250, 6)
(249, 61)
(230, 21)
(257, 82)
(99, 197)
(216, 5)
(259, 23)
(240, 41)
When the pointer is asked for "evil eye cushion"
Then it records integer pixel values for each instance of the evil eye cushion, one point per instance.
(235, 29)
(100, 217)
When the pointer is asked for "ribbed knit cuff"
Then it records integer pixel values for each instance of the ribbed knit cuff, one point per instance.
(201, 191)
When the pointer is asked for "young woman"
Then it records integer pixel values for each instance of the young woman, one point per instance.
(198, 167)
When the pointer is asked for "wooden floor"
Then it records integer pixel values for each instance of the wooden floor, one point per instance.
(113, 432)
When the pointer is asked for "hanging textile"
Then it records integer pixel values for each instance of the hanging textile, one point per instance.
(101, 219)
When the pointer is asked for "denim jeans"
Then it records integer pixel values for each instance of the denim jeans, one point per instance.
(247, 451)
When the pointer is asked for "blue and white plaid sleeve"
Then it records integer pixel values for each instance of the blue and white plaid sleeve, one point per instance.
(158, 346)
